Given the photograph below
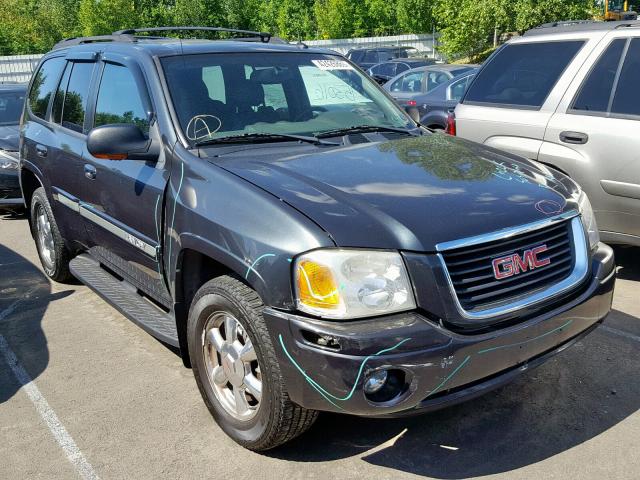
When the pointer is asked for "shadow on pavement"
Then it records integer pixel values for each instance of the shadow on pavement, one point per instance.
(20, 279)
(570, 400)
(628, 261)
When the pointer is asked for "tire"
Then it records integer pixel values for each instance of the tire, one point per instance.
(275, 419)
(52, 251)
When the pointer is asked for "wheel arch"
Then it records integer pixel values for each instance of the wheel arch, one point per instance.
(196, 264)
(29, 183)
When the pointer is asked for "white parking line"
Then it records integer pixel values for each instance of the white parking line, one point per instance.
(73, 453)
(620, 333)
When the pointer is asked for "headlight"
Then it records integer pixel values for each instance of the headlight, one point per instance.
(346, 284)
(589, 220)
(7, 162)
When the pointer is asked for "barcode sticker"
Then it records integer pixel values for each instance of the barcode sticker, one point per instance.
(332, 64)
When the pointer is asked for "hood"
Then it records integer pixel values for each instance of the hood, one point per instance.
(409, 194)
(9, 137)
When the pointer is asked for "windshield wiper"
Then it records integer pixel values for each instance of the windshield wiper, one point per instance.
(361, 129)
(247, 137)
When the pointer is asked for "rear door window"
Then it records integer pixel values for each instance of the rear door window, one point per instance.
(411, 82)
(522, 74)
(75, 100)
(43, 85)
(596, 90)
(457, 88)
(626, 100)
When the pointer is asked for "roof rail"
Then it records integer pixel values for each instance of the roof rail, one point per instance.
(131, 35)
(263, 36)
(69, 42)
(579, 25)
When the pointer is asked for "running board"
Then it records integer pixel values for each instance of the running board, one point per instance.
(125, 298)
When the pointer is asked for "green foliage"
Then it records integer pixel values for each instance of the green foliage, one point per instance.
(467, 26)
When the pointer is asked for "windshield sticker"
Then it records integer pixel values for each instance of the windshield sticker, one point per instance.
(332, 64)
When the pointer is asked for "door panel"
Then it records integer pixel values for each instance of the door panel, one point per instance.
(66, 151)
(123, 202)
(594, 137)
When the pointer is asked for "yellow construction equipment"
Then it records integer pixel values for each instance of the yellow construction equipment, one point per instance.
(618, 10)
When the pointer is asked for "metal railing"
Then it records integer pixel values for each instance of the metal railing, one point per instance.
(17, 68)
(426, 44)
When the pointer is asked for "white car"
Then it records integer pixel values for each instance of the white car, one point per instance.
(567, 95)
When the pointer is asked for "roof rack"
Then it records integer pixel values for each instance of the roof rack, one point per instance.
(132, 35)
(263, 36)
(579, 25)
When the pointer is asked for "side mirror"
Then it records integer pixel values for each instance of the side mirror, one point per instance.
(120, 141)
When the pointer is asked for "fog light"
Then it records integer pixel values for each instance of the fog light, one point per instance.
(375, 381)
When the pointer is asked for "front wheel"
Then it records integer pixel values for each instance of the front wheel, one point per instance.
(52, 251)
(236, 369)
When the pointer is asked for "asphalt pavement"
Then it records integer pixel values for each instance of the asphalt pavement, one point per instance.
(84, 393)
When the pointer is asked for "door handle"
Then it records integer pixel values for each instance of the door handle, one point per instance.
(575, 138)
(90, 172)
(41, 150)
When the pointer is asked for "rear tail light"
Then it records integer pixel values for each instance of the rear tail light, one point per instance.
(451, 124)
(412, 103)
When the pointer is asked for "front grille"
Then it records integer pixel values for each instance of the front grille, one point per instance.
(471, 268)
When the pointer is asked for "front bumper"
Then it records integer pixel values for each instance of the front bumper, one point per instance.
(10, 194)
(441, 367)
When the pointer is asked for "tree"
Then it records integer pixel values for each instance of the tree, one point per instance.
(295, 19)
(415, 16)
(101, 17)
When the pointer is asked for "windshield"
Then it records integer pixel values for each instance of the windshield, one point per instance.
(11, 103)
(223, 95)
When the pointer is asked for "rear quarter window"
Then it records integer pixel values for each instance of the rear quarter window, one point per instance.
(522, 74)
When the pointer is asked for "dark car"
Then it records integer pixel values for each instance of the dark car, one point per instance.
(410, 85)
(433, 108)
(272, 213)
(368, 57)
(385, 71)
(11, 103)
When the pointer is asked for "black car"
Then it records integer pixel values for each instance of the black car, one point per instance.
(385, 71)
(368, 57)
(272, 213)
(11, 103)
(433, 108)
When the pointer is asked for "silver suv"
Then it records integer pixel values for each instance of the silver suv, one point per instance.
(568, 95)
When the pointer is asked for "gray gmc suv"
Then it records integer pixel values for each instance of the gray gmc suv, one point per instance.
(273, 214)
(567, 95)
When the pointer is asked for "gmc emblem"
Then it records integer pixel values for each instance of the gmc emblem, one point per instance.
(505, 267)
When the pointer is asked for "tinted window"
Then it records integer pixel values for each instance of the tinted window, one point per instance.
(457, 88)
(626, 100)
(411, 82)
(119, 99)
(386, 69)
(11, 103)
(596, 90)
(522, 74)
(371, 56)
(75, 100)
(58, 100)
(44, 83)
(275, 93)
(401, 67)
(436, 78)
